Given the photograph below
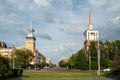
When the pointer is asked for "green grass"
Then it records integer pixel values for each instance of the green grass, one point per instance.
(58, 75)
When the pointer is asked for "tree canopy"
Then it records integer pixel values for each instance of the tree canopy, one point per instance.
(23, 57)
(109, 53)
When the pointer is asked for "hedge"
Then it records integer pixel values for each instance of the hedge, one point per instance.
(17, 72)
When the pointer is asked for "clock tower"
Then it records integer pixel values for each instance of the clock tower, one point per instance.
(90, 34)
(30, 39)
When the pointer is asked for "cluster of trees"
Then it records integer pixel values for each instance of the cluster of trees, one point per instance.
(4, 66)
(6, 70)
(22, 58)
(109, 53)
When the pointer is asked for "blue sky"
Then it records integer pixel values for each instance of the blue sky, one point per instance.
(59, 24)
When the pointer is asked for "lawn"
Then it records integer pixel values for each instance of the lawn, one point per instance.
(59, 75)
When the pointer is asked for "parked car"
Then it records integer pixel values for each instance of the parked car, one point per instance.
(38, 68)
(107, 70)
(46, 67)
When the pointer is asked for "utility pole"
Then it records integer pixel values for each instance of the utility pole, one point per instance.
(89, 60)
(98, 53)
(13, 57)
(89, 57)
(35, 55)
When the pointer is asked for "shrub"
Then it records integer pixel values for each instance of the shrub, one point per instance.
(4, 67)
(94, 65)
(17, 72)
(116, 72)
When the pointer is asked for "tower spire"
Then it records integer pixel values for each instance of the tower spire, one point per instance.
(90, 21)
(31, 25)
(90, 18)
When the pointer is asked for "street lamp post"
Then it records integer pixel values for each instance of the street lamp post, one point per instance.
(89, 58)
(98, 55)
(13, 57)
(35, 59)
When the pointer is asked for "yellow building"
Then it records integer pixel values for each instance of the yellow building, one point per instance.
(30, 40)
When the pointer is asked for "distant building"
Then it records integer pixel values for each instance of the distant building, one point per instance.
(48, 61)
(3, 45)
(91, 35)
(39, 57)
(4, 50)
(30, 45)
(64, 59)
(30, 40)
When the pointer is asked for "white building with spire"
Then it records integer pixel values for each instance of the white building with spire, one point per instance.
(90, 34)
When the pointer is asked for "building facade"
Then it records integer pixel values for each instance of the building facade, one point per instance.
(30, 40)
(30, 45)
(5, 51)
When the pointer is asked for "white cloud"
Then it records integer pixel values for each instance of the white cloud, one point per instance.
(114, 5)
(63, 47)
(116, 20)
(98, 3)
(105, 5)
(66, 2)
(19, 5)
(12, 19)
(42, 3)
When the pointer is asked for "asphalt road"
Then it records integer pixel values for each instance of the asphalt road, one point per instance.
(62, 70)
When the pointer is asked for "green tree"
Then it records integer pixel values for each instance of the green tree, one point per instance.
(72, 61)
(5, 68)
(93, 54)
(116, 57)
(62, 63)
(81, 60)
(23, 57)
(93, 51)
(43, 64)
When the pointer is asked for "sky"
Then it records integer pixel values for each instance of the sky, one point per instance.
(59, 24)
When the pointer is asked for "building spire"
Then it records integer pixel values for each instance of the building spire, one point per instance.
(90, 18)
(90, 21)
(31, 25)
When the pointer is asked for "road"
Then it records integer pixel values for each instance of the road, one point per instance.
(62, 70)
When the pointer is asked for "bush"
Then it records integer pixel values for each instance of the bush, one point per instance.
(4, 67)
(116, 72)
(94, 65)
(6, 70)
(17, 72)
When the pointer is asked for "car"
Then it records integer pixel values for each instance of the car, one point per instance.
(38, 68)
(107, 70)
(46, 67)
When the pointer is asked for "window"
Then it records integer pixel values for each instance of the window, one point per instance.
(92, 34)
